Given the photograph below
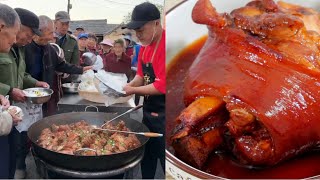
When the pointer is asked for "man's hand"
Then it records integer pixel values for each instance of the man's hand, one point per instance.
(42, 84)
(4, 102)
(18, 95)
(86, 68)
(129, 90)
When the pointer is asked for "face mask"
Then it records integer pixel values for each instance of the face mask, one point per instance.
(154, 33)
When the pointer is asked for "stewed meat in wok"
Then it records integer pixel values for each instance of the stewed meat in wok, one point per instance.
(70, 137)
(254, 88)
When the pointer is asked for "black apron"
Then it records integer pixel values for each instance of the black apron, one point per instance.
(154, 119)
(154, 105)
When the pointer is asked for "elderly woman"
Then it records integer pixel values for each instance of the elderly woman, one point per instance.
(106, 47)
(118, 61)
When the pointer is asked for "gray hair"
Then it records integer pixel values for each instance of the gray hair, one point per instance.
(8, 15)
(44, 22)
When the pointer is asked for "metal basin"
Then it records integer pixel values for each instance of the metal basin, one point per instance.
(38, 95)
(71, 88)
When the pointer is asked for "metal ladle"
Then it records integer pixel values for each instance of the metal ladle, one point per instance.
(129, 111)
(147, 134)
(79, 151)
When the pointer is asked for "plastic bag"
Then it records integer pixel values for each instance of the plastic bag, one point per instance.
(111, 85)
(87, 83)
(98, 64)
(6, 120)
(32, 113)
(87, 76)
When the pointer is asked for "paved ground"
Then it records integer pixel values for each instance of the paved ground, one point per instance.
(32, 172)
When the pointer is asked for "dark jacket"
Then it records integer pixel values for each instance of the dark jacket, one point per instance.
(71, 49)
(51, 62)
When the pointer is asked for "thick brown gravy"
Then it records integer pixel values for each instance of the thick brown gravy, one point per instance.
(307, 165)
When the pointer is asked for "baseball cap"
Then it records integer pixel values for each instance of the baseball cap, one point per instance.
(29, 19)
(142, 14)
(79, 27)
(62, 16)
(83, 35)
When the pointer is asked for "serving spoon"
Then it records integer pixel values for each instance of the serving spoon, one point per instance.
(147, 134)
(79, 152)
(129, 111)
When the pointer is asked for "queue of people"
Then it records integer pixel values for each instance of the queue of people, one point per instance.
(35, 51)
(27, 59)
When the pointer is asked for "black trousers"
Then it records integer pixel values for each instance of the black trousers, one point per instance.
(18, 150)
(4, 157)
(155, 147)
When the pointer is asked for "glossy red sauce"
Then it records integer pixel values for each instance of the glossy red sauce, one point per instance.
(306, 165)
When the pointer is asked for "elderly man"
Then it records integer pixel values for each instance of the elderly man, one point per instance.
(150, 80)
(65, 41)
(13, 77)
(79, 30)
(42, 62)
(42, 59)
(9, 27)
(12, 68)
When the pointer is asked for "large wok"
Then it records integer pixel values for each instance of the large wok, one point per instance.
(86, 163)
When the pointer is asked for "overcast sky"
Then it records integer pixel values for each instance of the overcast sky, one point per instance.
(112, 10)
